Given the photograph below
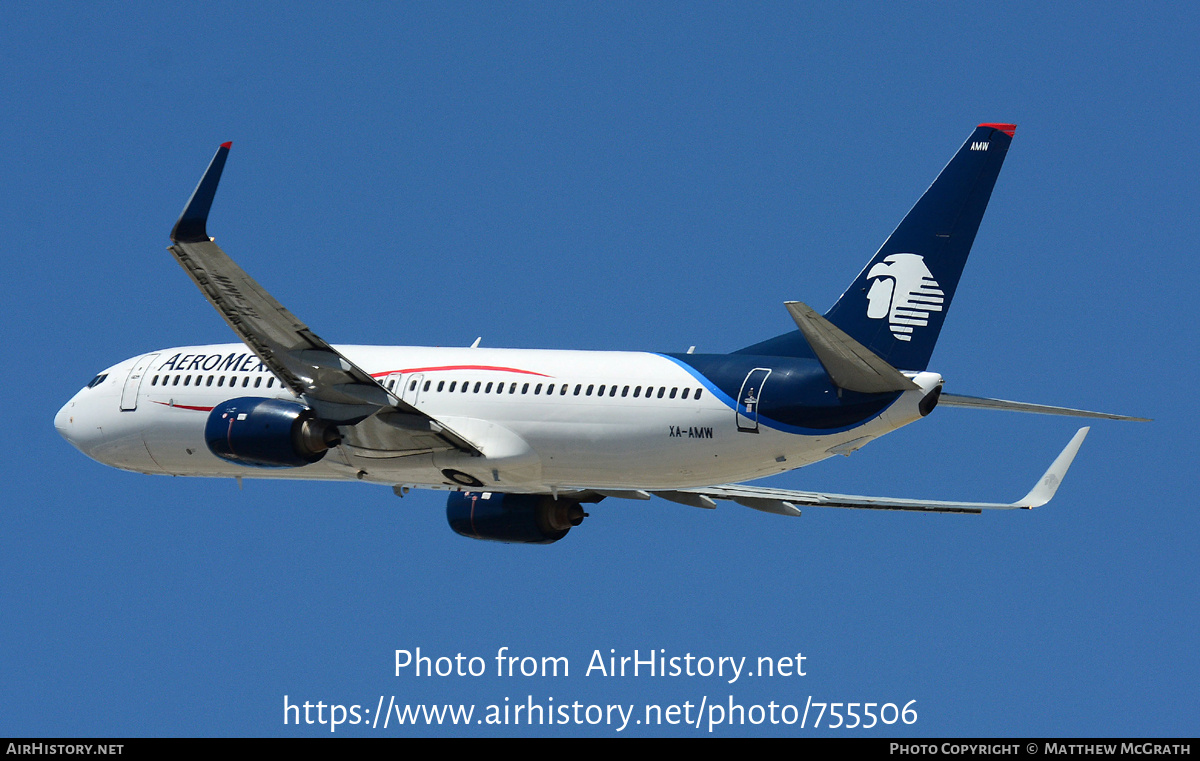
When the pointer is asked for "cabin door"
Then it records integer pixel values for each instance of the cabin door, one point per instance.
(750, 399)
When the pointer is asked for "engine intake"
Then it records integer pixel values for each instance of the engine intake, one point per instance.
(512, 518)
(268, 433)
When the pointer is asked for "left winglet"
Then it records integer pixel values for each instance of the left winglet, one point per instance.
(191, 226)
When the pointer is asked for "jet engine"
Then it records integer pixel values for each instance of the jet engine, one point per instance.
(268, 433)
(512, 518)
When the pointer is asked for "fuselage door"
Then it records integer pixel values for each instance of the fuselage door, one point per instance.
(394, 382)
(750, 399)
(412, 388)
(133, 383)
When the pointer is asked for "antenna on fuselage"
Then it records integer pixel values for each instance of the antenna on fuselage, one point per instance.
(476, 344)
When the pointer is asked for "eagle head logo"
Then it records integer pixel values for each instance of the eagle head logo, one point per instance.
(904, 291)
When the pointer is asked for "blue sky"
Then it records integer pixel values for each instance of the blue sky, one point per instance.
(607, 176)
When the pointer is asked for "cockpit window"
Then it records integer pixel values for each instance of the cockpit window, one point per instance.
(97, 380)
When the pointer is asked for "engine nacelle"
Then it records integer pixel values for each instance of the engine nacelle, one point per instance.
(267, 433)
(513, 518)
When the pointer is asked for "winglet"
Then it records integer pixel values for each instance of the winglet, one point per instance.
(1049, 482)
(191, 225)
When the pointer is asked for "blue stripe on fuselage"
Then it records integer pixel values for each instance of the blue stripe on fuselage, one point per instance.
(798, 396)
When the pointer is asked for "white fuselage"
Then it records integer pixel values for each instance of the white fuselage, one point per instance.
(544, 419)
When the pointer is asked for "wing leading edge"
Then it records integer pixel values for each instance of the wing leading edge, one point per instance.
(337, 389)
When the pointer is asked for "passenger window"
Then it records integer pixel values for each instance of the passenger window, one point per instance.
(426, 386)
(390, 385)
(246, 381)
(637, 392)
(452, 385)
(488, 390)
(412, 386)
(590, 387)
(209, 381)
(698, 392)
(477, 385)
(220, 381)
(512, 389)
(537, 389)
(578, 386)
(550, 389)
(686, 391)
(563, 390)
(661, 389)
(187, 379)
(154, 381)
(649, 391)
(601, 391)
(625, 391)
(270, 382)
(441, 385)
(525, 389)
(613, 391)
(673, 392)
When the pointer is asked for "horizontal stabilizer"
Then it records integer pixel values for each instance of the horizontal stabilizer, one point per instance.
(850, 365)
(955, 400)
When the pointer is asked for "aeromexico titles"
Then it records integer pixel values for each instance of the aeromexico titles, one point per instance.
(523, 439)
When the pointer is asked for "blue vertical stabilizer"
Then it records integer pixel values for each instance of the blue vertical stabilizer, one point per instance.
(896, 305)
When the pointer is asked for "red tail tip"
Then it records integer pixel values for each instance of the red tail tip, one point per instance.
(227, 145)
(1008, 129)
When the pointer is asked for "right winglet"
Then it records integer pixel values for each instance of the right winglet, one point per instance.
(1048, 483)
(191, 225)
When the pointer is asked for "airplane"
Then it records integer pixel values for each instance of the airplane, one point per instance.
(523, 439)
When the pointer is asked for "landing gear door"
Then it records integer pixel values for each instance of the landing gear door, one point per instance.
(750, 399)
(412, 388)
(133, 383)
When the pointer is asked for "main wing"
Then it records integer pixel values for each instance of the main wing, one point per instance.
(787, 502)
(371, 417)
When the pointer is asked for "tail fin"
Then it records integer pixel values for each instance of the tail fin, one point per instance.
(897, 304)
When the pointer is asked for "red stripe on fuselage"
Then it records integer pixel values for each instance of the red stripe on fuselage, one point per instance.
(184, 406)
(461, 367)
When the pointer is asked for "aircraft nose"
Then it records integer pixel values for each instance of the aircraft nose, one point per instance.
(64, 421)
